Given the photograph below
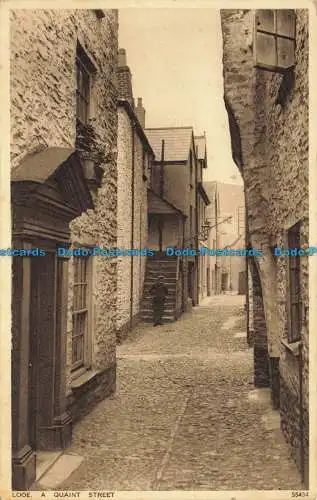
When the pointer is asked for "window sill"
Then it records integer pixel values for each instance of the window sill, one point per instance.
(292, 347)
(83, 379)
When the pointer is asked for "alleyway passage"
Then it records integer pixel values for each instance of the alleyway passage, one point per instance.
(186, 415)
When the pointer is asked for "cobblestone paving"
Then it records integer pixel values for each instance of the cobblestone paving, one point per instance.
(182, 417)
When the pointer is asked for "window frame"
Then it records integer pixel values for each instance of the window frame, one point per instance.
(84, 63)
(191, 170)
(80, 366)
(294, 281)
(273, 68)
(145, 164)
(149, 167)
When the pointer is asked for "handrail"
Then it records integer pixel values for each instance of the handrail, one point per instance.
(177, 267)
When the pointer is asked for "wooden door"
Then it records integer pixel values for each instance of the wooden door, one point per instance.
(208, 281)
(34, 352)
(242, 283)
(42, 350)
(224, 282)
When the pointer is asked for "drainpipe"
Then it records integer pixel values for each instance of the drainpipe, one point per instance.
(197, 274)
(140, 257)
(132, 228)
(301, 411)
(161, 195)
(162, 170)
(217, 242)
(247, 269)
(184, 264)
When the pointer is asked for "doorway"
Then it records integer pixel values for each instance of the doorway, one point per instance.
(42, 356)
(224, 282)
(208, 282)
(190, 280)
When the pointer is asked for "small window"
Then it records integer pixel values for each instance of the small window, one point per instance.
(149, 167)
(85, 70)
(295, 320)
(80, 334)
(99, 13)
(191, 169)
(275, 39)
(144, 165)
(191, 225)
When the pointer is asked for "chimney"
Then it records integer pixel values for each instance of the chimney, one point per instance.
(140, 112)
(124, 78)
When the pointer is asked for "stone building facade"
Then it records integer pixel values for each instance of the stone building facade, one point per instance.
(180, 169)
(202, 208)
(64, 193)
(266, 95)
(135, 157)
(227, 219)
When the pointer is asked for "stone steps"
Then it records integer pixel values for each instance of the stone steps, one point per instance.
(169, 301)
(154, 268)
(148, 318)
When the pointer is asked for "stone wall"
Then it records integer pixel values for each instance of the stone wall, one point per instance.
(43, 93)
(261, 362)
(127, 207)
(268, 114)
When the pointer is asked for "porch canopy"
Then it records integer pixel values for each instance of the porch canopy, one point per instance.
(48, 189)
(158, 205)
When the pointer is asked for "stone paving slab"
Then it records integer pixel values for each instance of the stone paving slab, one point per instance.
(185, 415)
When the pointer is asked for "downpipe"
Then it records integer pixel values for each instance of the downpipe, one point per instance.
(301, 412)
(132, 229)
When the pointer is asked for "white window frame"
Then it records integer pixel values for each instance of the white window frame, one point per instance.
(79, 367)
(277, 35)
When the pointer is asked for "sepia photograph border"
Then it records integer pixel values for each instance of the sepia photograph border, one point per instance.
(5, 238)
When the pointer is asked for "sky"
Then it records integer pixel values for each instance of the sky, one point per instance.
(175, 57)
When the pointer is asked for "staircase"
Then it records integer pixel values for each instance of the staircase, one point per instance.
(166, 266)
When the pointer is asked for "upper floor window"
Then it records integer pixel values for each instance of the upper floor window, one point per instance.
(145, 165)
(294, 295)
(81, 339)
(85, 71)
(99, 13)
(191, 170)
(275, 39)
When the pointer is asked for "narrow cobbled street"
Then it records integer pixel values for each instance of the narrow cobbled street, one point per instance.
(185, 415)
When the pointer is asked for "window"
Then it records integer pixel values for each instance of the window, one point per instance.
(145, 165)
(191, 173)
(99, 13)
(80, 339)
(85, 70)
(275, 39)
(191, 225)
(294, 330)
(149, 167)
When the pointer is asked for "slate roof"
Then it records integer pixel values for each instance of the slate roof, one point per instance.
(177, 142)
(158, 205)
(200, 143)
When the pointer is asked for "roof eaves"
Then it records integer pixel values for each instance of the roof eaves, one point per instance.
(169, 128)
(168, 203)
(127, 106)
(203, 193)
